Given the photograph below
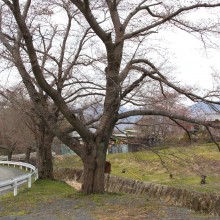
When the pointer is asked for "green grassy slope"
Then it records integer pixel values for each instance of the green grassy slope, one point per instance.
(186, 164)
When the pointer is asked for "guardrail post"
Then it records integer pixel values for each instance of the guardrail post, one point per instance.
(29, 181)
(14, 183)
(36, 174)
(15, 187)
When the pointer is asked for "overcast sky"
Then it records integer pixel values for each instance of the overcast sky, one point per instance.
(194, 63)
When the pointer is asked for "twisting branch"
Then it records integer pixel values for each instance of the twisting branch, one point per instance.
(213, 139)
(180, 125)
(166, 114)
(84, 7)
(135, 84)
(167, 17)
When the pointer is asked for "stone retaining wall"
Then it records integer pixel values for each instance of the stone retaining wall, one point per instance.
(200, 202)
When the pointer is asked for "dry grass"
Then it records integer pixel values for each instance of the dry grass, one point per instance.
(186, 164)
(74, 184)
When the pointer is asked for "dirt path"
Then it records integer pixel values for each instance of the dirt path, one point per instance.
(107, 207)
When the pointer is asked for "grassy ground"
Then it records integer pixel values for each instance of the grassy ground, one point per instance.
(42, 191)
(186, 164)
(58, 201)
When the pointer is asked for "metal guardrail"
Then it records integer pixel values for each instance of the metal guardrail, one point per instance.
(17, 181)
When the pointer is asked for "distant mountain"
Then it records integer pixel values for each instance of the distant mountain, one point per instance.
(127, 122)
(97, 109)
(204, 109)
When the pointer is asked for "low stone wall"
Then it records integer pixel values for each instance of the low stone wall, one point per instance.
(200, 202)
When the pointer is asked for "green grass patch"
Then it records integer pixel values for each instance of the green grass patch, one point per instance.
(42, 191)
(48, 193)
(108, 206)
(185, 163)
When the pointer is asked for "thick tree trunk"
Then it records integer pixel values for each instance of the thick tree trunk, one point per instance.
(44, 153)
(27, 155)
(10, 155)
(93, 173)
(44, 160)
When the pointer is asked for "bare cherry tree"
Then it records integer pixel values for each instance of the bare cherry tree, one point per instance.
(14, 134)
(160, 128)
(103, 55)
(34, 132)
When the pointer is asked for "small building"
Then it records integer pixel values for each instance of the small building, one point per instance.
(130, 141)
(213, 118)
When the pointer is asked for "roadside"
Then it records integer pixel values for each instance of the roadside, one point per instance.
(9, 173)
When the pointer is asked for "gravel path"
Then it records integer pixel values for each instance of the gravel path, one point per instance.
(108, 207)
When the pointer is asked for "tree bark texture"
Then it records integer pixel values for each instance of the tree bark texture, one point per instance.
(10, 155)
(94, 165)
(44, 153)
(27, 155)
